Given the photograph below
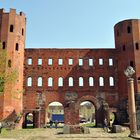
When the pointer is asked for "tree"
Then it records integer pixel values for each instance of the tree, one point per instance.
(7, 77)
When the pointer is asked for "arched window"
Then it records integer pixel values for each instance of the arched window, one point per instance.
(90, 61)
(9, 63)
(50, 82)
(60, 81)
(22, 31)
(39, 61)
(39, 82)
(110, 62)
(91, 81)
(131, 63)
(137, 46)
(101, 81)
(29, 81)
(11, 28)
(3, 45)
(80, 62)
(124, 48)
(138, 79)
(29, 61)
(70, 81)
(128, 29)
(101, 61)
(111, 81)
(17, 46)
(81, 81)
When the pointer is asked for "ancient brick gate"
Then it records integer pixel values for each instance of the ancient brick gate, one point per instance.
(71, 111)
(96, 75)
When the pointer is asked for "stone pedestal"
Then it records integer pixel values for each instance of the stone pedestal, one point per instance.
(75, 129)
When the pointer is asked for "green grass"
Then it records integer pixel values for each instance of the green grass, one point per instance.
(18, 133)
(89, 125)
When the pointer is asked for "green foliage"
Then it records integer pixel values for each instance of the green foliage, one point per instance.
(7, 77)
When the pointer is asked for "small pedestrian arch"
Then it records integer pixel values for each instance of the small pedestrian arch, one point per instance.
(29, 120)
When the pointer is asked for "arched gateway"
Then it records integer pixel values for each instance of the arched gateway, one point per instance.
(71, 107)
(91, 73)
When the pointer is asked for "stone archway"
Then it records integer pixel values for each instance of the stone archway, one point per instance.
(54, 112)
(29, 120)
(72, 110)
(99, 115)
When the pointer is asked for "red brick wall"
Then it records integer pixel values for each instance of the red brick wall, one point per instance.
(13, 92)
(130, 53)
(56, 93)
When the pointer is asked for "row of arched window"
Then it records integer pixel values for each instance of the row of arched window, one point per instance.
(71, 81)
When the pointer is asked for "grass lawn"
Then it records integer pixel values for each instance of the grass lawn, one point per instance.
(54, 134)
(20, 133)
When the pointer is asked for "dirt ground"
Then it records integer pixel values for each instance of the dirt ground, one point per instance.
(56, 134)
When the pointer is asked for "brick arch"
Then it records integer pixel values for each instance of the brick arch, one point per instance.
(47, 104)
(88, 98)
(25, 119)
(95, 101)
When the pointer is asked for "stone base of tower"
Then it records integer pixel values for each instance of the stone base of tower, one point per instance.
(75, 129)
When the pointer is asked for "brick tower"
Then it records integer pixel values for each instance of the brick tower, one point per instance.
(127, 41)
(12, 37)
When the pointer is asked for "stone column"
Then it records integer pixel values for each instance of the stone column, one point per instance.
(131, 107)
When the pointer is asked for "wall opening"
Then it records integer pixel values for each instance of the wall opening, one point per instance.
(128, 29)
(91, 81)
(22, 31)
(29, 120)
(29, 61)
(137, 46)
(70, 82)
(70, 61)
(55, 113)
(80, 62)
(124, 48)
(39, 82)
(50, 82)
(11, 28)
(111, 81)
(101, 81)
(39, 61)
(81, 81)
(131, 63)
(29, 81)
(60, 81)
(3, 45)
(90, 62)
(17, 47)
(139, 80)
(87, 113)
(101, 61)
(9, 63)
(50, 61)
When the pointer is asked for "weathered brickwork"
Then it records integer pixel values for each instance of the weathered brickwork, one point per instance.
(12, 37)
(54, 74)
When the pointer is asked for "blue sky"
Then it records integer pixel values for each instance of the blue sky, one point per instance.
(72, 23)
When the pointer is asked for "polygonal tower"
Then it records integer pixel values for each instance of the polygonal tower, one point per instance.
(12, 37)
(127, 42)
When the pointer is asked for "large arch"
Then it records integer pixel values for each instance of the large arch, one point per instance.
(88, 98)
(99, 116)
